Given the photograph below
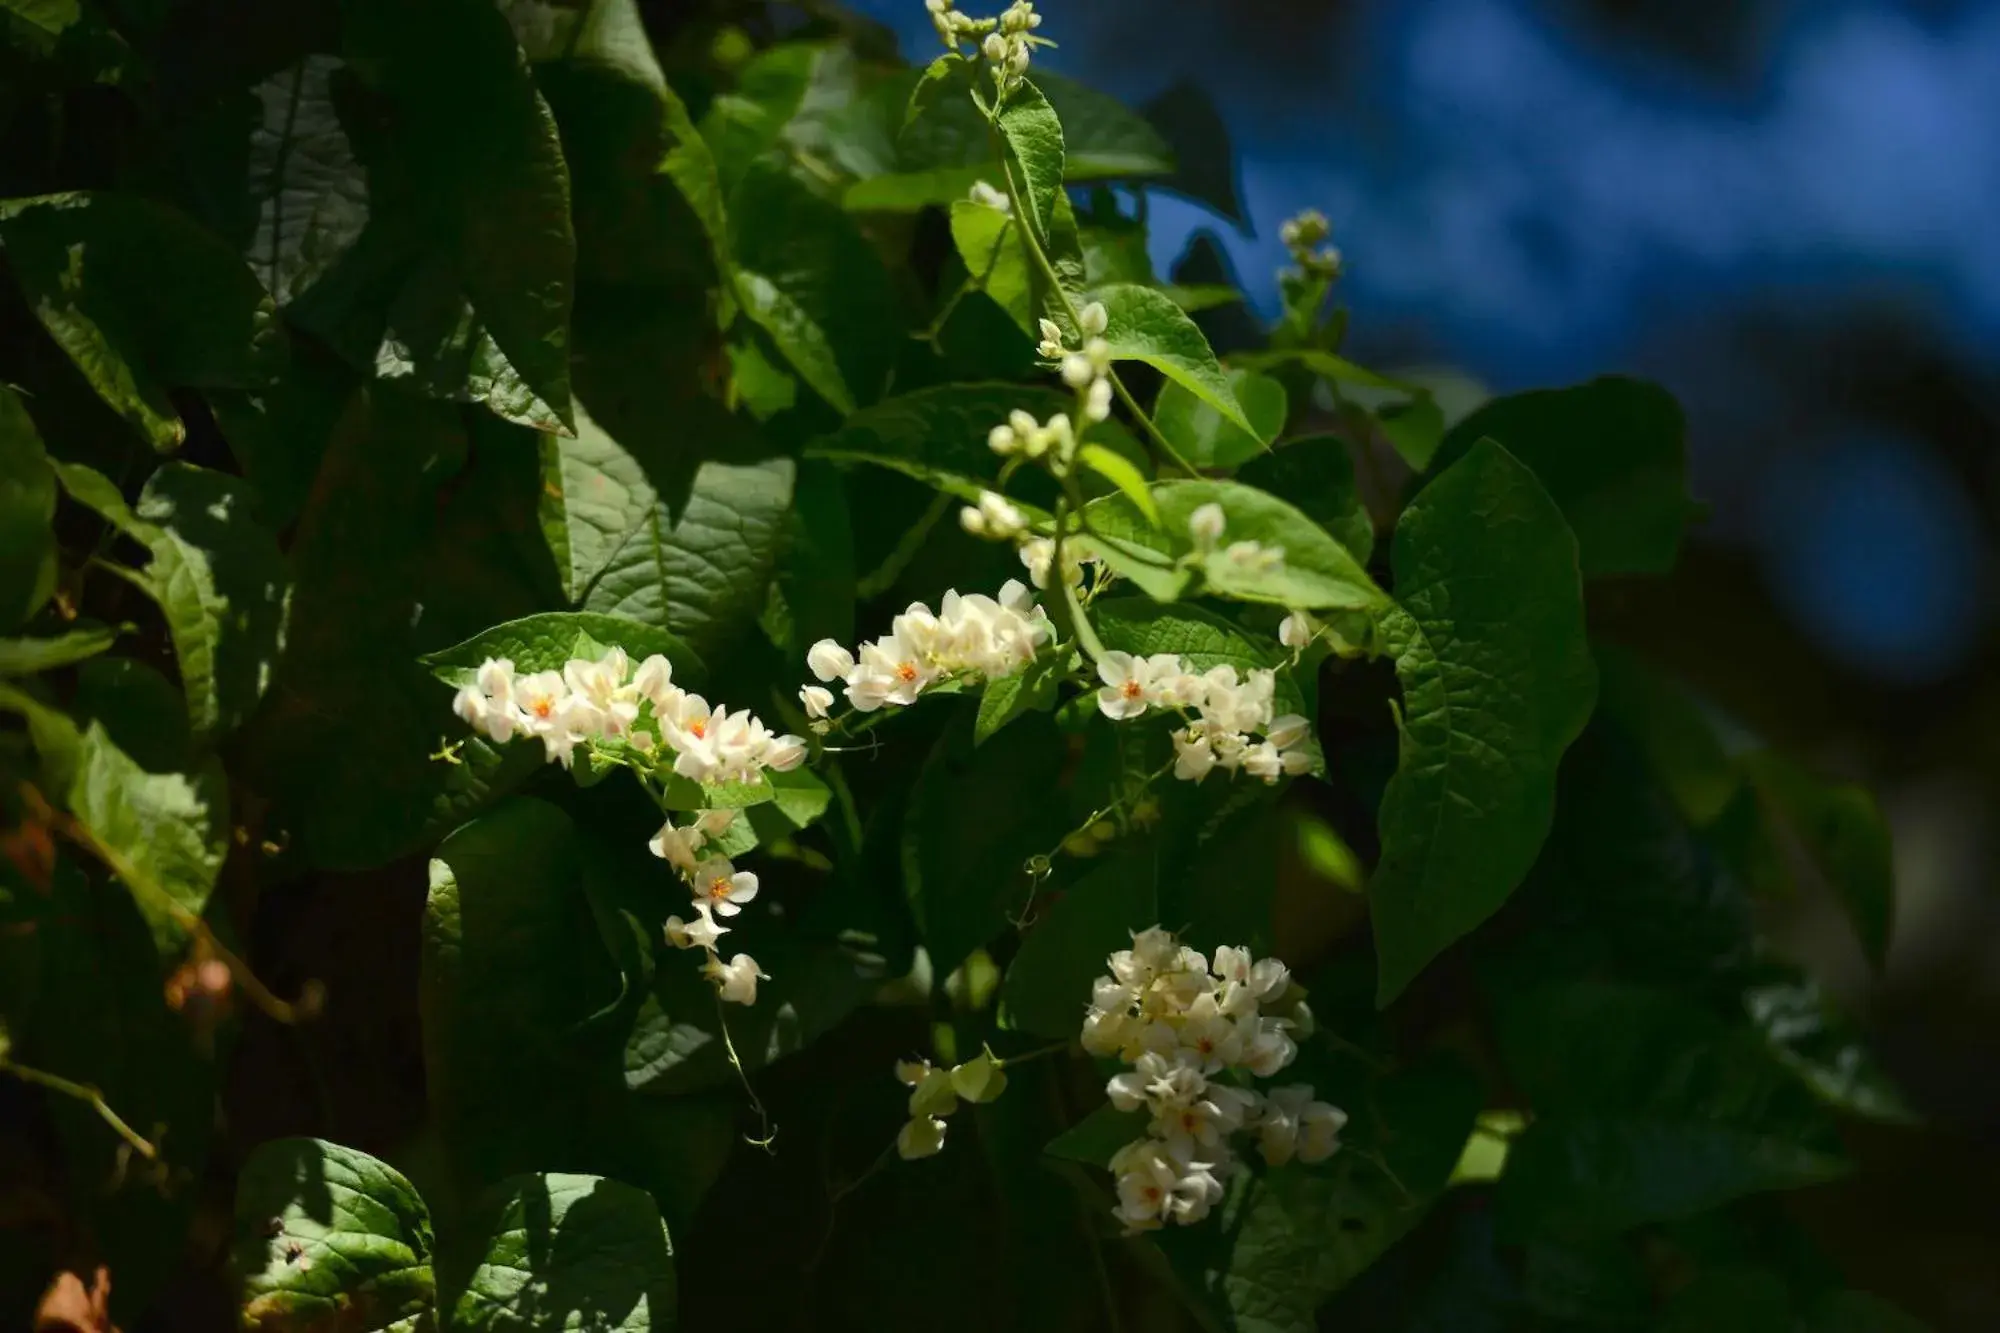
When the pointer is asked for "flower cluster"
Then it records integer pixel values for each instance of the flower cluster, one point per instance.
(1305, 236)
(1087, 369)
(935, 1093)
(967, 635)
(1007, 44)
(1194, 1035)
(1230, 725)
(606, 700)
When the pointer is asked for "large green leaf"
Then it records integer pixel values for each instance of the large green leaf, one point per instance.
(25, 657)
(529, 996)
(1048, 983)
(545, 642)
(1029, 125)
(328, 1236)
(220, 579)
(171, 829)
(1815, 1042)
(1671, 727)
(1611, 454)
(142, 300)
(27, 507)
(570, 1252)
(310, 191)
(1647, 1109)
(1317, 475)
(705, 576)
(937, 435)
(1146, 325)
(1497, 681)
(598, 496)
(477, 177)
(1201, 435)
(1315, 572)
(810, 280)
(968, 833)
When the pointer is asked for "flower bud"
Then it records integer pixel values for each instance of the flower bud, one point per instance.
(972, 521)
(1205, 525)
(817, 700)
(1097, 403)
(1093, 320)
(1002, 440)
(994, 48)
(829, 661)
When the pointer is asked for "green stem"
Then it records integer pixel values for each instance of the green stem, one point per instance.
(83, 1093)
(736, 1063)
(1025, 220)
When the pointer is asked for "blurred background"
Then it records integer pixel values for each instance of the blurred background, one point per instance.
(1784, 212)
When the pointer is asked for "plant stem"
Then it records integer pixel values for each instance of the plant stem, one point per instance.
(83, 1093)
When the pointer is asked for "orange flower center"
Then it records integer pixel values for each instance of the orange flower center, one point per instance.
(719, 888)
(1131, 689)
(698, 729)
(543, 707)
(907, 671)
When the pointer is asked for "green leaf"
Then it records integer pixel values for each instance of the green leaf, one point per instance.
(1199, 433)
(1029, 125)
(706, 576)
(998, 263)
(310, 191)
(1415, 429)
(1048, 983)
(937, 435)
(1611, 453)
(170, 828)
(1672, 729)
(1815, 1042)
(1737, 1298)
(1146, 325)
(597, 497)
(1497, 681)
(1032, 689)
(27, 510)
(143, 712)
(1859, 1312)
(326, 1235)
(810, 280)
(565, 1251)
(545, 642)
(1205, 168)
(142, 300)
(51, 17)
(816, 575)
(220, 579)
(1844, 836)
(56, 739)
(1122, 473)
(1317, 475)
(1315, 573)
(1646, 1109)
(1094, 1139)
(944, 75)
(24, 657)
(968, 833)
(480, 182)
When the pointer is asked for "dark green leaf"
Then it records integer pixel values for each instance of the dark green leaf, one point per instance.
(1048, 984)
(1497, 681)
(1611, 453)
(27, 507)
(1822, 1048)
(310, 192)
(142, 300)
(325, 1234)
(1094, 1139)
(1029, 125)
(937, 435)
(1146, 325)
(1844, 836)
(544, 642)
(569, 1250)
(143, 712)
(1199, 433)
(1317, 475)
(1677, 736)
(1859, 1312)
(1205, 168)
(1032, 689)
(1733, 1299)
(704, 577)
(1647, 1109)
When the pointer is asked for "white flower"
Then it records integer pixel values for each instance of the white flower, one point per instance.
(1288, 731)
(921, 1137)
(890, 672)
(1050, 348)
(829, 661)
(677, 846)
(1268, 1048)
(1194, 1194)
(1127, 685)
(933, 1094)
(1194, 756)
(700, 933)
(1205, 525)
(817, 700)
(470, 703)
(1262, 760)
(722, 886)
(1210, 1037)
(1097, 401)
(1297, 630)
(653, 679)
(539, 698)
(985, 195)
(785, 753)
(1093, 320)
(489, 705)
(1147, 1178)
(1037, 555)
(1319, 1131)
(736, 979)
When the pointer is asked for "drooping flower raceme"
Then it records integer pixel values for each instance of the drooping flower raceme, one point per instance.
(1195, 1032)
(1230, 716)
(606, 702)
